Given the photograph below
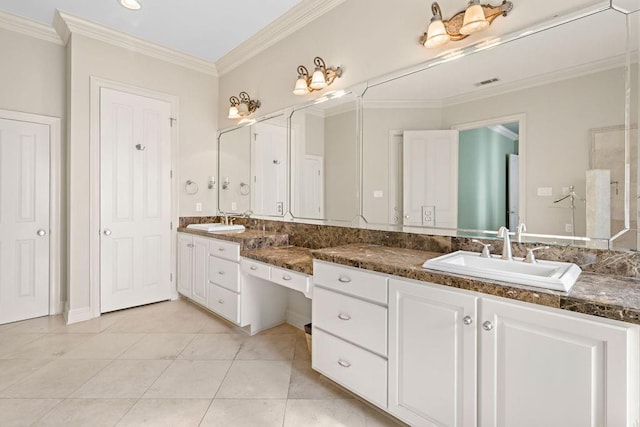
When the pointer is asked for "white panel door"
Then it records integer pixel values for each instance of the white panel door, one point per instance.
(269, 169)
(200, 274)
(432, 355)
(430, 178)
(24, 220)
(312, 198)
(541, 368)
(135, 251)
(513, 185)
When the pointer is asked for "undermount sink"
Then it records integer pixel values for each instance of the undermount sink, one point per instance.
(555, 275)
(216, 227)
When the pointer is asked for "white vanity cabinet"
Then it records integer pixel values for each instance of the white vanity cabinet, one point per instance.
(349, 316)
(432, 354)
(547, 367)
(192, 267)
(526, 365)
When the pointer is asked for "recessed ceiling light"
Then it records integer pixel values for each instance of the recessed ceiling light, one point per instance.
(130, 4)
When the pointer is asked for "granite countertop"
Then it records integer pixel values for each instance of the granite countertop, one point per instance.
(291, 257)
(248, 239)
(596, 294)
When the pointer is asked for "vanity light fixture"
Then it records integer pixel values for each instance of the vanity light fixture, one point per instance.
(321, 77)
(242, 106)
(131, 4)
(476, 17)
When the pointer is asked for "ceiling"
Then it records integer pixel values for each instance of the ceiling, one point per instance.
(207, 29)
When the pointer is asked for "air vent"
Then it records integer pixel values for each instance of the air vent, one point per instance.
(487, 82)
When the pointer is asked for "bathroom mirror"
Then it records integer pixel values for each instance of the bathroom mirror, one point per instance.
(324, 160)
(532, 130)
(234, 170)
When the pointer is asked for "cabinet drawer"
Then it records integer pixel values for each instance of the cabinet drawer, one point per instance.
(354, 368)
(289, 279)
(358, 321)
(352, 281)
(224, 273)
(223, 302)
(226, 250)
(255, 268)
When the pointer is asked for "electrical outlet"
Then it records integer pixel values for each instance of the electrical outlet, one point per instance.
(545, 191)
(198, 207)
(429, 216)
(378, 194)
(234, 206)
(279, 208)
(568, 228)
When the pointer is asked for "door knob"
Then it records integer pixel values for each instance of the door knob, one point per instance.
(106, 232)
(467, 320)
(487, 326)
(41, 232)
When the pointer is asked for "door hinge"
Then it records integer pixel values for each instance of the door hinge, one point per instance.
(171, 120)
(171, 174)
(171, 225)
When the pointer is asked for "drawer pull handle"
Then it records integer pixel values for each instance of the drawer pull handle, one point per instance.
(286, 277)
(221, 272)
(344, 316)
(344, 279)
(253, 267)
(344, 363)
(221, 249)
(220, 301)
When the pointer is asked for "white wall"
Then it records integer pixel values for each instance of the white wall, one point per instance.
(197, 124)
(341, 182)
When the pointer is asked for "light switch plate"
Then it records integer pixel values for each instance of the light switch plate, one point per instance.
(545, 191)
(429, 216)
(198, 207)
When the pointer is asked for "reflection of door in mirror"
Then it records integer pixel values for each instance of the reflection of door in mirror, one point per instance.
(234, 176)
(269, 167)
(487, 194)
(430, 178)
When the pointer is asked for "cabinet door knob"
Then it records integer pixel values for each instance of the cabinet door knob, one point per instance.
(221, 272)
(344, 363)
(41, 232)
(220, 301)
(487, 326)
(467, 320)
(286, 277)
(107, 232)
(344, 316)
(253, 267)
(344, 279)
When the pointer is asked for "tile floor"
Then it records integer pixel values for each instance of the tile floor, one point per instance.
(166, 364)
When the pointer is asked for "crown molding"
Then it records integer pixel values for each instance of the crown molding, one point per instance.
(297, 17)
(66, 24)
(28, 27)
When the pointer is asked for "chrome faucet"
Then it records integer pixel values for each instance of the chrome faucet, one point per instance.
(225, 219)
(506, 243)
(520, 229)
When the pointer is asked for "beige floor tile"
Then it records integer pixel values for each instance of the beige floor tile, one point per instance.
(256, 379)
(308, 384)
(6, 327)
(325, 413)
(123, 379)
(139, 323)
(213, 347)
(86, 412)
(377, 418)
(39, 325)
(302, 350)
(23, 412)
(49, 346)
(245, 413)
(166, 413)
(57, 379)
(95, 326)
(10, 343)
(190, 379)
(104, 346)
(284, 329)
(158, 346)
(14, 370)
(268, 347)
(216, 325)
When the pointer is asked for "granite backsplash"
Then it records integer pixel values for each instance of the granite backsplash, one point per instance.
(312, 236)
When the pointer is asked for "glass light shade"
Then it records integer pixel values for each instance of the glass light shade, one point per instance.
(243, 109)
(436, 34)
(474, 20)
(317, 80)
(130, 4)
(233, 112)
(301, 86)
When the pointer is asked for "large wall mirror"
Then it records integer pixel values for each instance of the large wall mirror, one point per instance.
(533, 130)
(324, 160)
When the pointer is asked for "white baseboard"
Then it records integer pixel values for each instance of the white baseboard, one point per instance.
(77, 315)
(297, 319)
